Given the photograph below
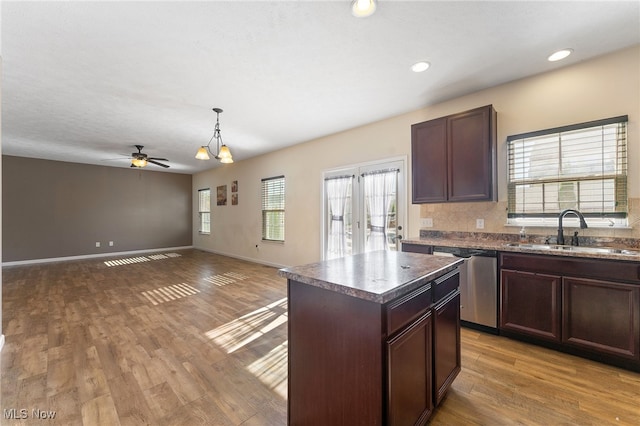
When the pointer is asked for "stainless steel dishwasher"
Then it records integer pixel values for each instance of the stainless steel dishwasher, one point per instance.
(478, 286)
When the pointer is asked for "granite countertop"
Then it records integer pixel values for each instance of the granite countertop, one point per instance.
(379, 276)
(502, 242)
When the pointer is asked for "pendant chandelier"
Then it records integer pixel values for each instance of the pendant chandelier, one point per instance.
(222, 151)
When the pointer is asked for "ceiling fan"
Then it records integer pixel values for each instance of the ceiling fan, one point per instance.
(140, 160)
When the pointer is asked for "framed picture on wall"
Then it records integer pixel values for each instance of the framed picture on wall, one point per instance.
(222, 195)
(234, 199)
(234, 186)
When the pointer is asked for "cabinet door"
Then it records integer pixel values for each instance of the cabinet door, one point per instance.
(602, 316)
(530, 304)
(471, 155)
(409, 378)
(429, 161)
(446, 344)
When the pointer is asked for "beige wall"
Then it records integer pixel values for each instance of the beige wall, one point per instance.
(55, 209)
(604, 87)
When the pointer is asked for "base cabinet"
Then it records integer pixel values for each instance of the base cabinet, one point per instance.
(602, 316)
(587, 307)
(531, 304)
(446, 344)
(410, 381)
(357, 362)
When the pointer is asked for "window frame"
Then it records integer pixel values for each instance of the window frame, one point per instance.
(617, 217)
(271, 188)
(203, 212)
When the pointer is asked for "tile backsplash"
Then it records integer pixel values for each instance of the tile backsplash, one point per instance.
(462, 217)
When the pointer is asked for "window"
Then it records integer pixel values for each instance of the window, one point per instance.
(582, 167)
(204, 210)
(273, 208)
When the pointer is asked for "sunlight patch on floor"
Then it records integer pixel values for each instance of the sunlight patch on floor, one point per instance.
(126, 261)
(226, 278)
(139, 259)
(271, 369)
(169, 293)
(244, 330)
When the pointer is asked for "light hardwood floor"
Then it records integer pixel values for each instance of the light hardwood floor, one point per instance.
(194, 338)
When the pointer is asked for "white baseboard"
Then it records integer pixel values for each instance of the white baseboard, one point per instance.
(1, 341)
(247, 259)
(91, 256)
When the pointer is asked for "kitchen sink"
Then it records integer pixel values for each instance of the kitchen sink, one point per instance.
(576, 249)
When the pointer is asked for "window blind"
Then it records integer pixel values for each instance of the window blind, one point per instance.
(204, 210)
(583, 167)
(273, 198)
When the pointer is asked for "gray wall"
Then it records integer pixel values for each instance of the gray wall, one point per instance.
(55, 209)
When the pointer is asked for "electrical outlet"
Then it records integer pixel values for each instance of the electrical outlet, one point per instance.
(110, 243)
(426, 222)
(479, 223)
(97, 243)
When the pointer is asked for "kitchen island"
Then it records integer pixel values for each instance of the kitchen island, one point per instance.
(374, 338)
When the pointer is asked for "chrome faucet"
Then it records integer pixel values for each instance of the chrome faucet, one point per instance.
(583, 224)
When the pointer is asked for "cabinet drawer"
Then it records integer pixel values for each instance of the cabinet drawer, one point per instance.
(417, 248)
(402, 311)
(445, 285)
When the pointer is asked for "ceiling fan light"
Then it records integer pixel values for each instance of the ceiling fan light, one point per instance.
(139, 162)
(225, 155)
(202, 153)
(363, 8)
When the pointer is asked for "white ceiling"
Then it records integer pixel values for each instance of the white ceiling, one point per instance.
(85, 81)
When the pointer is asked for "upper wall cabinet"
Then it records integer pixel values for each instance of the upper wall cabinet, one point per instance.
(453, 158)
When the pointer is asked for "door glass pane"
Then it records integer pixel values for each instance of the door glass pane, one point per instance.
(338, 193)
(380, 191)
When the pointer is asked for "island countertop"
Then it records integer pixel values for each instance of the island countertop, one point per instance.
(379, 276)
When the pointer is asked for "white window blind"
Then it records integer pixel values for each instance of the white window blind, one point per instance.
(273, 208)
(204, 210)
(583, 167)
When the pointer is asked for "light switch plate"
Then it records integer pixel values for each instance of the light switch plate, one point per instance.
(479, 223)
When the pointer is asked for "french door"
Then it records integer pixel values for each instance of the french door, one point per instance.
(363, 209)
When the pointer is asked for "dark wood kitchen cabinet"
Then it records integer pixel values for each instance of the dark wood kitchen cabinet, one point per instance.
(453, 158)
(587, 307)
(531, 304)
(362, 355)
(446, 343)
(410, 378)
(602, 316)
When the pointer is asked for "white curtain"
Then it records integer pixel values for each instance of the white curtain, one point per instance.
(380, 194)
(337, 193)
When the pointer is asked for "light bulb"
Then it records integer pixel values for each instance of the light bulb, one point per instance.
(225, 155)
(363, 8)
(202, 153)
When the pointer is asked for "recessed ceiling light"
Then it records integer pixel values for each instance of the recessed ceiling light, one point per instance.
(363, 8)
(420, 66)
(560, 54)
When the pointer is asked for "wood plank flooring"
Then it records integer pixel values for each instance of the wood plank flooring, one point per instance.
(193, 338)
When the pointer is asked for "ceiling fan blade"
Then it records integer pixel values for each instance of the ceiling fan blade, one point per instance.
(157, 159)
(166, 166)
